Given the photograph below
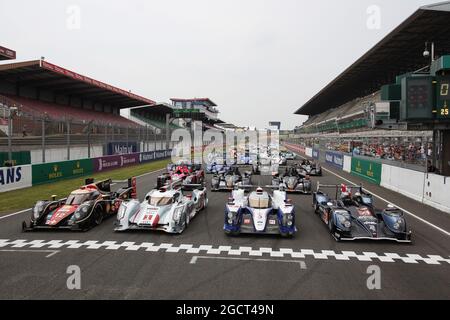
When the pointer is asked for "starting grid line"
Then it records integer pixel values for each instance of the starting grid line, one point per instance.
(226, 250)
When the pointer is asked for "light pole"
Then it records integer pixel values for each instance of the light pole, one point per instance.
(12, 111)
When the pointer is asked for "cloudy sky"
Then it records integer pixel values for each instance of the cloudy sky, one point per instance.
(259, 60)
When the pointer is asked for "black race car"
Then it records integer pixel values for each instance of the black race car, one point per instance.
(227, 181)
(292, 182)
(310, 168)
(353, 216)
(83, 209)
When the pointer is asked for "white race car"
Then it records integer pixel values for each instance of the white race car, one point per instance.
(260, 213)
(168, 209)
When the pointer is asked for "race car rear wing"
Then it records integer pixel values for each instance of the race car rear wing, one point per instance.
(338, 187)
(104, 186)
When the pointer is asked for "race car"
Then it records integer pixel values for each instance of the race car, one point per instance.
(310, 168)
(289, 155)
(230, 179)
(259, 213)
(292, 182)
(353, 216)
(262, 166)
(83, 209)
(168, 209)
(217, 167)
(188, 173)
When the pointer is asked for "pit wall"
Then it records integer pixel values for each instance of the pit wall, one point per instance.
(427, 188)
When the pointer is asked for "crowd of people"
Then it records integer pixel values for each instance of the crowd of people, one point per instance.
(408, 151)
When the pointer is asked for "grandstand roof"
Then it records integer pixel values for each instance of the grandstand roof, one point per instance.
(161, 108)
(48, 76)
(7, 54)
(399, 52)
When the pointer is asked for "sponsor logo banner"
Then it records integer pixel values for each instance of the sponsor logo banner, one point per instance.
(315, 154)
(146, 156)
(368, 170)
(48, 172)
(12, 178)
(334, 158)
(117, 148)
(115, 162)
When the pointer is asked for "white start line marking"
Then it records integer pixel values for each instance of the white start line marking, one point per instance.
(195, 259)
(227, 251)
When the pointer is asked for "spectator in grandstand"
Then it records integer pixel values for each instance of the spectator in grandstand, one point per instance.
(24, 130)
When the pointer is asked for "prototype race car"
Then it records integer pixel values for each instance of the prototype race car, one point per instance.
(310, 168)
(259, 213)
(83, 209)
(292, 181)
(187, 173)
(262, 166)
(230, 179)
(352, 217)
(217, 167)
(167, 208)
(289, 155)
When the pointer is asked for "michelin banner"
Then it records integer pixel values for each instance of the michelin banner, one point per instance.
(12, 178)
(335, 159)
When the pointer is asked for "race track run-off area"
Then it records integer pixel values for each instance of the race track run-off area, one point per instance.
(204, 263)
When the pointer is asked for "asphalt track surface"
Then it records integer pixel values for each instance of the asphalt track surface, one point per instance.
(204, 263)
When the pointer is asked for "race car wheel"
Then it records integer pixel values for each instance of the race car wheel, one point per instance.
(98, 217)
(205, 202)
(331, 225)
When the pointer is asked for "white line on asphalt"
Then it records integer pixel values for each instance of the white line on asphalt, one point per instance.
(388, 202)
(51, 253)
(15, 213)
(225, 251)
(26, 210)
(301, 263)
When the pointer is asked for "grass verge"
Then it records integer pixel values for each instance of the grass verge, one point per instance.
(26, 198)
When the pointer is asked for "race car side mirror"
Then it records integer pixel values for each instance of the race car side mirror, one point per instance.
(54, 197)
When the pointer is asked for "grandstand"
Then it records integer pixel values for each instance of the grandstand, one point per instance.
(39, 89)
(153, 116)
(352, 101)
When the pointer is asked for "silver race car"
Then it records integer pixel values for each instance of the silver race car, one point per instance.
(168, 208)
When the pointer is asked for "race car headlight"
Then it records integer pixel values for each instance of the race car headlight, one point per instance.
(289, 223)
(81, 212)
(230, 215)
(398, 224)
(230, 221)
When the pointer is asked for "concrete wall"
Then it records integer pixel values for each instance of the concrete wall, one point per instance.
(60, 154)
(347, 164)
(437, 192)
(407, 182)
